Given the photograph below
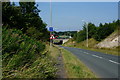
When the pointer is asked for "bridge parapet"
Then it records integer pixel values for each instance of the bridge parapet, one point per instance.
(59, 40)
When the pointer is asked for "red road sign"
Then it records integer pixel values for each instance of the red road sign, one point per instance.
(52, 36)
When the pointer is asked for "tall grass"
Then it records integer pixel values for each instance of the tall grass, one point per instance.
(22, 56)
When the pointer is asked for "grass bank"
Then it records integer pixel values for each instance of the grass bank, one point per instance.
(25, 57)
(74, 67)
(92, 42)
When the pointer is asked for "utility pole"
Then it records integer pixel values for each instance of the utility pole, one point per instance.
(50, 21)
(87, 33)
(86, 25)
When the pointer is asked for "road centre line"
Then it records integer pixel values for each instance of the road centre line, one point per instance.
(109, 60)
(114, 62)
(102, 57)
(97, 56)
(86, 52)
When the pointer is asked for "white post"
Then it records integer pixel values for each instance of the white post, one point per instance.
(87, 33)
(86, 25)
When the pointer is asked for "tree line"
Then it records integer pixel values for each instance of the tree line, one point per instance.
(97, 32)
(24, 17)
(67, 33)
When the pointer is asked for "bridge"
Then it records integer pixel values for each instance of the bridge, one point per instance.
(60, 41)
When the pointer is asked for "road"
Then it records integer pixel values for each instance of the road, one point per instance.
(103, 65)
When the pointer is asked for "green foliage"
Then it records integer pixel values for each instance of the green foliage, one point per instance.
(67, 33)
(14, 17)
(91, 30)
(20, 51)
(98, 33)
(81, 36)
(22, 47)
(75, 36)
(105, 30)
(24, 17)
(33, 32)
(19, 47)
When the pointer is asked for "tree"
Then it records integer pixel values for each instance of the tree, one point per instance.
(91, 30)
(98, 33)
(30, 14)
(6, 7)
(24, 17)
(81, 36)
(11, 15)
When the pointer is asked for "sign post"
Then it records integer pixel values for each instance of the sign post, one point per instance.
(51, 35)
(50, 28)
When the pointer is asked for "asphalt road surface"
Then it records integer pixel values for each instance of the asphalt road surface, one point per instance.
(103, 65)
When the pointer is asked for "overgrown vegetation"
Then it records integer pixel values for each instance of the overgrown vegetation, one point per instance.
(97, 32)
(23, 57)
(24, 54)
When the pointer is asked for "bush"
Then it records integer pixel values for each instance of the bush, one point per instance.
(20, 50)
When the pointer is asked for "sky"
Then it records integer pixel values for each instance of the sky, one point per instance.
(70, 15)
(64, 0)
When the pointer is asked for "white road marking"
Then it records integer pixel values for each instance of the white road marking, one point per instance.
(86, 53)
(114, 62)
(96, 56)
(102, 57)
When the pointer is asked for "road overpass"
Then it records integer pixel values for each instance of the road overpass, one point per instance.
(60, 41)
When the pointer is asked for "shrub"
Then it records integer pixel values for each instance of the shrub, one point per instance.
(20, 50)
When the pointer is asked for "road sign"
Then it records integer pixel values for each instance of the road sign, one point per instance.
(52, 37)
(51, 29)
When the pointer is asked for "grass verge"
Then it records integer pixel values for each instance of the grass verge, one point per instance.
(103, 50)
(54, 51)
(74, 67)
(92, 42)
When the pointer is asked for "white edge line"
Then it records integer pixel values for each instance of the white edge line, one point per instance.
(114, 62)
